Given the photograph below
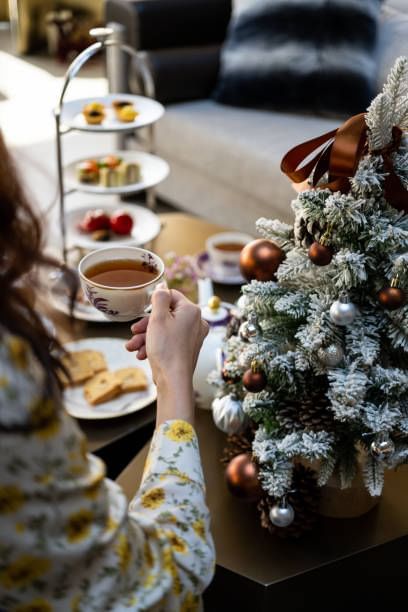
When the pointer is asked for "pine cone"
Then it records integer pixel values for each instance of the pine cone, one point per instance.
(233, 327)
(304, 500)
(237, 444)
(311, 414)
(302, 236)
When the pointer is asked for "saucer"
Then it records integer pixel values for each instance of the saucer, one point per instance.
(204, 265)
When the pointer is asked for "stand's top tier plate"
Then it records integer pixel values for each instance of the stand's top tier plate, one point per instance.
(149, 111)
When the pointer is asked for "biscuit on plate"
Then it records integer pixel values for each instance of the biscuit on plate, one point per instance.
(78, 368)
(131, 379)
(96, 360)
(82, 365)
(101, 388)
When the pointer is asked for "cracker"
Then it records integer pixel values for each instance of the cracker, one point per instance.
(82, 365)
(101, 388)
(131, 379)
(78, 367)
(96, 360)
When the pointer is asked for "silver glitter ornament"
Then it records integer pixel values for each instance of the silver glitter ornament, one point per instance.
(342, 311)
(250, 330)
(228, 414)
(382, 447)
(331, 355)
(282, 514)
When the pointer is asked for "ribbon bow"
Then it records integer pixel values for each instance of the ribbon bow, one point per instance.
(340, 158)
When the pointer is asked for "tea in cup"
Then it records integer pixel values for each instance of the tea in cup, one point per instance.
(224, 250)
(120, 281)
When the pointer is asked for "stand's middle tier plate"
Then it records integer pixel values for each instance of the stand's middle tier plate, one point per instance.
(153, 171)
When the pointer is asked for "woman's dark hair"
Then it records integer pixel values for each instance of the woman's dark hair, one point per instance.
(21, 253)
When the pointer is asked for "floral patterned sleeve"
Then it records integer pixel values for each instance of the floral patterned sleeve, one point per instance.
(68, 541)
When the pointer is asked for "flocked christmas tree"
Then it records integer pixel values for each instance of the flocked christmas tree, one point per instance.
(319, 367)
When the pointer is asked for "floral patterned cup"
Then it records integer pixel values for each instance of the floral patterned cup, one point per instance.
(120, 303)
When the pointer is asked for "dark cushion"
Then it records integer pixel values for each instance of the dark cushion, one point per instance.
(301, 55)
(184, 74)
(162, 24)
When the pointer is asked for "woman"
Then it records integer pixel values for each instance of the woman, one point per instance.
(67, 538)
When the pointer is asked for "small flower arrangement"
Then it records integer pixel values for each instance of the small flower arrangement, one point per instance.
(182, 273)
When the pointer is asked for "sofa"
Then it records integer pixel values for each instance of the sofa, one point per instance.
(225, 161)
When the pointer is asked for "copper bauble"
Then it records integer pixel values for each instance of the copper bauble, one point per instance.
(242, 478)
(260, 259)
(392, 298)
(320, 254)
(254, 381)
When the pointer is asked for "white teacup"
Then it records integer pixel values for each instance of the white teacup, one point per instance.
(120, 303)
(226, 262)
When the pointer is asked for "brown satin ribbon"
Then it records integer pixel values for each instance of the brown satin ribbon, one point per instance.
(340, 157)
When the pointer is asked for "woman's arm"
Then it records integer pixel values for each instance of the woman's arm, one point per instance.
(68, 540)
(171, 338)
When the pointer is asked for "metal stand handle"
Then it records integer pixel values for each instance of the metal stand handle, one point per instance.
(105, 39)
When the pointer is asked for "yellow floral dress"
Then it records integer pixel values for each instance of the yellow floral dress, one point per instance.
(68, 540)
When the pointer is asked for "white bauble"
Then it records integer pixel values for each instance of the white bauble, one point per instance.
(282, 515)
(228, 414)
(343, 312)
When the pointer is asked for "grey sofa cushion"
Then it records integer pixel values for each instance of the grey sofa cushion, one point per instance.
(393, 41)
(240, 148)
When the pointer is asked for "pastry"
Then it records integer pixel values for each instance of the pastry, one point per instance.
(101, 388)
(110, 161)
(88, 171)
(133, 172)
(117, 105)
(94, 106)
(131, 379)
(127, 113)
(94, 113)
(109, 177)
(82, 365)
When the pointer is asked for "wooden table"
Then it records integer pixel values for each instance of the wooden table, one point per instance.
(342, 561)
(182, 233)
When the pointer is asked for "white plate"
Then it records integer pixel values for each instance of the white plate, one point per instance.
(82, 311)
(146, 226)
(149, 111)
(116, 357)
(223, 279)
(153, 170)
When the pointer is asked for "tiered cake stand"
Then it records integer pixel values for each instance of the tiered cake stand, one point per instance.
(69, 117)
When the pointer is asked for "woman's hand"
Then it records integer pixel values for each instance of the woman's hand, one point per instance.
(171, 338)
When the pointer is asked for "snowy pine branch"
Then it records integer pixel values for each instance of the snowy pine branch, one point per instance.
(326, 469)
(369, 177)
(380, 121)
(349, 269)
(379, 418)
(396, 88)
(347, 391)
(311, 445)
(363, 340)
(293, 304)
(275, 230)
(373, 473)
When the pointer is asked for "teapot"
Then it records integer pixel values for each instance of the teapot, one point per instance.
(217, 314)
